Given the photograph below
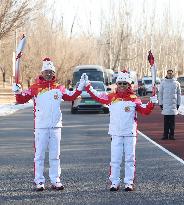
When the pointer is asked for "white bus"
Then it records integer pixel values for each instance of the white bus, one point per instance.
(94, 72)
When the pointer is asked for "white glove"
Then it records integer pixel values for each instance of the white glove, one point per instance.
(85, 76)
(82, 82)
(16, 88)
(154, 99)
(87, 82)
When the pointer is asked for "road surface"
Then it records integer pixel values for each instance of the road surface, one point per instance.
(85, 157)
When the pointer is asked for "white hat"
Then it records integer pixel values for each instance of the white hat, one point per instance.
(48, 65)
(124, 76)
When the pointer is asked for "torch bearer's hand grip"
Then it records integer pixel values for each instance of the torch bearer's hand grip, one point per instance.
(16, 88)
(154, 90)
(154, 99)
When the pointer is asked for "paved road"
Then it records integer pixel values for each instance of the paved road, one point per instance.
(85, 161)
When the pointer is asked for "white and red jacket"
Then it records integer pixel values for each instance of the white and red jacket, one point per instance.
(123, 111)
(47, 97)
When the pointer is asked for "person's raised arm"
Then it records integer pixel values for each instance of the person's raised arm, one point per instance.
(147, 109)
(72, 95)
(98, 96)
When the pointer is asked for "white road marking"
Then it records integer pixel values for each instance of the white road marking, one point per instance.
(162, 148)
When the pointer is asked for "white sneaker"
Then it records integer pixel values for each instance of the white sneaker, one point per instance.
(114, 187)
(57, 186)
(40, 186)
(129, 187)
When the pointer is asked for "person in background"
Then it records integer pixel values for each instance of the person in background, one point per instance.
(123, 107)
(69, 84)
(169, 100)
(47, 96)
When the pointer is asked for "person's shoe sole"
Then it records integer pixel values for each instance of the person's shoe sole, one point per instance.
(129, 189)
(57, 188)
(40, 189)
(114, 189)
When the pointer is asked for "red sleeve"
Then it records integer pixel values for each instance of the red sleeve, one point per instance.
(100, 97)
(145, 110)
(20, 99)
(24, 96)
(71, 95)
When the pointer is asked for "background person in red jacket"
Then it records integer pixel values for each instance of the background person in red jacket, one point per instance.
(123, 107)
(47, 95)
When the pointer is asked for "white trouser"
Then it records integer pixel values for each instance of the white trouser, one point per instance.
(47, 138)
(120, 144)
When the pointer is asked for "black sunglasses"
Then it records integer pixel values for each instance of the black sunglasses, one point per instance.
(122, 83)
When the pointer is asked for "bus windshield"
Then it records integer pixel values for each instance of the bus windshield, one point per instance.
(148, 82)
(93, 75)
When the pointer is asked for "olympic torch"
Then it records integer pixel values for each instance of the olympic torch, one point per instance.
(19, 50)
(153, 72)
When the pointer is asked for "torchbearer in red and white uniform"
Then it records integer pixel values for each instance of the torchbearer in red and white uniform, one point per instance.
(47, 96)
(123, 107)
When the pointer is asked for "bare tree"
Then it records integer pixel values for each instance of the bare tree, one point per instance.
(14, 14)
(120, 44)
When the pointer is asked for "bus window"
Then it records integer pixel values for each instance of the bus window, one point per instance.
(92, 73)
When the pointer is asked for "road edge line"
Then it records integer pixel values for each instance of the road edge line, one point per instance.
(162, 148)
